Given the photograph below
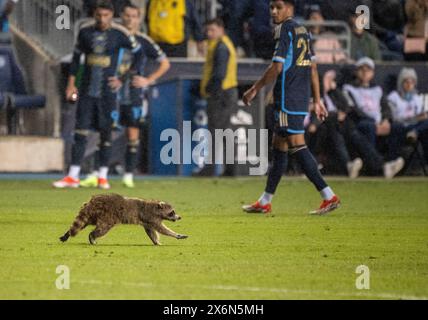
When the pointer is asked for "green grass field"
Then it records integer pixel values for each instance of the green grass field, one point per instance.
(229, 255)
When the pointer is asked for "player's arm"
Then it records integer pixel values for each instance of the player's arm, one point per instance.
(269, 77)
(154, 52)
(142, 82)
(125, 41)
(274, 70)
(71, 89)
(319, 108)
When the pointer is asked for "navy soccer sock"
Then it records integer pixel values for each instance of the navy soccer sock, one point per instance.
(78, 149)
(105, 154)
(131, 156)
(279, 164)
(309, 166)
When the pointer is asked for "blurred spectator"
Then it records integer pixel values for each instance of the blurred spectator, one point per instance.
(171, 23)
(332, 134)
(235, 13)
(327, 48)
(408, 110)
(339, 9)
(250, 27)
(416, 31)
(261, 30)
(219, 82)
(388, 23)
(302, 7)
(6, 8)
(90, 5)
(363, 44)
(372, 114)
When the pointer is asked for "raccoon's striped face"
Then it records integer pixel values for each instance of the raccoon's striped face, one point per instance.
(172, 216)
(168, 212)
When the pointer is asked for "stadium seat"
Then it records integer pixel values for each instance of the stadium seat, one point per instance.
(5, 38)
(13, 95)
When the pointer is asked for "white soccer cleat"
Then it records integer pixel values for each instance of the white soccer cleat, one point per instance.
(392, 168)
(67, 182)
(354, 168)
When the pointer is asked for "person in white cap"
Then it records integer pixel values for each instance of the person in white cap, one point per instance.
(408, 109)
(372, 114)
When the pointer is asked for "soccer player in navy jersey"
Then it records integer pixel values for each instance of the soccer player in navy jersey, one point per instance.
(100, 41)
(133, 79)
(295, 71)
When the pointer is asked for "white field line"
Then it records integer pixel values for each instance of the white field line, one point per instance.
(365, 294)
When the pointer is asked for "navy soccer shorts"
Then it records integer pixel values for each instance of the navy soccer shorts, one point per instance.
(288, 124)
(95, 114)
(133, 116)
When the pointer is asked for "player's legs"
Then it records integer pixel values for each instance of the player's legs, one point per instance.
(91, 181)
(131, 118)
(289, 136)
(131, 157)
(104, 157)
(309, 165)
(277, 169)
(84, 115)
(105, 109)
(279, 165)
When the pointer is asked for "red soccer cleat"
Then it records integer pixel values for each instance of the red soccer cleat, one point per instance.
(327, 206)
(257, 208)
(67, 182)
(103, 184)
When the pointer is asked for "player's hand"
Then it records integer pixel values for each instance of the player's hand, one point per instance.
(320, 110)
(71, 93)
(249, 96)
(140, 82)
(341, 116)
(384, 128)
(114, 83)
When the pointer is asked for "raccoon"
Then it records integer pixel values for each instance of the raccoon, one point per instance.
(107, 210)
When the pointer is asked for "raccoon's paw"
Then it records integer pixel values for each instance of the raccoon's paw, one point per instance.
(181, 236)
(92, 240)
(65, 237)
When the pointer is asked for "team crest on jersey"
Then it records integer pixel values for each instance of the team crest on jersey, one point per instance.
(99, 44)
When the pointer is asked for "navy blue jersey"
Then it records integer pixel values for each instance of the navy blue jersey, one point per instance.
(102, 57)
(131, 65)
(292, 91)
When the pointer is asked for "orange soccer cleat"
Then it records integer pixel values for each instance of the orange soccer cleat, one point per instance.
(258, 208)
(67, 182)
(103, 184)
(327, 206)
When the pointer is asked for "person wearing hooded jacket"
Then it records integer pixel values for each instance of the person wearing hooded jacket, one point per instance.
(408, 109)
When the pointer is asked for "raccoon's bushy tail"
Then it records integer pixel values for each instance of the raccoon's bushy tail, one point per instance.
(79, 223)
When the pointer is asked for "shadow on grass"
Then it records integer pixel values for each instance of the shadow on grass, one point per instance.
(106, 245)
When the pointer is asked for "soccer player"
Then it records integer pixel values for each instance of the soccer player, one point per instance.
(132, 96)
(100, 41)
(294, 71)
